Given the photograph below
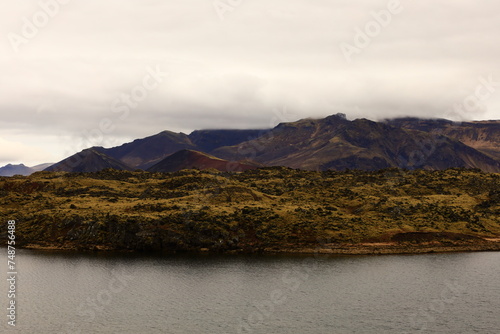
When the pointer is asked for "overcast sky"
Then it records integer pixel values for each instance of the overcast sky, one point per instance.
(65, 76)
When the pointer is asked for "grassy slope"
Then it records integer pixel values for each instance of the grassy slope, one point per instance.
(270, 208)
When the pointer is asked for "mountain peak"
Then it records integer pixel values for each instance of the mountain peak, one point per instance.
(89, 160)
(337, 116)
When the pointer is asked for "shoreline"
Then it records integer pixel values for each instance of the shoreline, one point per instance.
(392, 249)
(386, 248)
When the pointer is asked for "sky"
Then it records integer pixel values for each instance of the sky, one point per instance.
(76, 74)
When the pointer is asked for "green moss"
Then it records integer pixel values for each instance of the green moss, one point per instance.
(272, 206)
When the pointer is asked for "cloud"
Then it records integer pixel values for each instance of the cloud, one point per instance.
(234, 72)
(16, 152)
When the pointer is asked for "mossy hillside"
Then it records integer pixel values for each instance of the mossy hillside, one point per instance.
(270, 207)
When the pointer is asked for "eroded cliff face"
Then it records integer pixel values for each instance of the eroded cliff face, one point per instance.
(484, 136)
(337, 143)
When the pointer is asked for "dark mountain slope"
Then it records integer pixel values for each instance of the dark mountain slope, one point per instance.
(145, 152)
(336, 143)
(209, 140)
(88, 160)
(484, 136)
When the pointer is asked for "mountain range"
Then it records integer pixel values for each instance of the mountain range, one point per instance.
(333, 142)
(21, 169)
(337, 143)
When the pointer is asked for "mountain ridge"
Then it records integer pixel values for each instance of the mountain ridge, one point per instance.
(336, 143)
(21, 169)
(483, 136)
(333, 142)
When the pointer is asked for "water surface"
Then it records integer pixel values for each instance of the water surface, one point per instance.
(109, 293)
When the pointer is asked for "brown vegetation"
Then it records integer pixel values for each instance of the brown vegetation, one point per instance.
(270, 209)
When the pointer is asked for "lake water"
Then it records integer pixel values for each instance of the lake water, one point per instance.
(106, 293)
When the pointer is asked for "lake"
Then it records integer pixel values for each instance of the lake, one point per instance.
(59, 292)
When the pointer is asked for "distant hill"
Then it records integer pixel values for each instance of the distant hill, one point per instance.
(21, 169)
(88, 160)
(484, 136)
(337, 143)
(11, 170)
(189, 159)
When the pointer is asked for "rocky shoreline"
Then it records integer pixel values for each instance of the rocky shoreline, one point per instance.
(376, 248)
